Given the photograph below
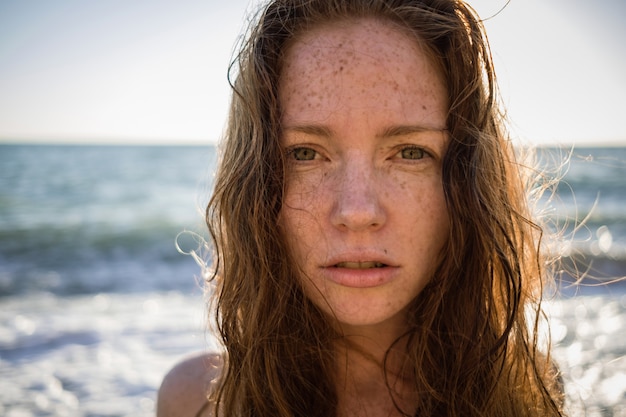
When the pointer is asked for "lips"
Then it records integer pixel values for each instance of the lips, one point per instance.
(360, 269)
(359, 258)
(360, 265)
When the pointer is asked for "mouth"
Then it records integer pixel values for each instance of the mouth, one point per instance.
(360, 265)
(360, 274)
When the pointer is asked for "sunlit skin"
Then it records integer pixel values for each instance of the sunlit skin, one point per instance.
(363, 127)
(364, 114)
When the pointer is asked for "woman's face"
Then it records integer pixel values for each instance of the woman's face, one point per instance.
(364, 113)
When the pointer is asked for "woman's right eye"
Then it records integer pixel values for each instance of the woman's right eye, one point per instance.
(303, 154)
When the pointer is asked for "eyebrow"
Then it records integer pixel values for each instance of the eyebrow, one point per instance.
(313, 130)
(392, 131)
(404, 130)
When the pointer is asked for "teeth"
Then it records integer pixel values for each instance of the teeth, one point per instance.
(360, 265)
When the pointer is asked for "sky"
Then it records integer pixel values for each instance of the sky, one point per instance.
(154, 71)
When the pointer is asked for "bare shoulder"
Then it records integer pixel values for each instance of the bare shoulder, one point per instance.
(184, 390)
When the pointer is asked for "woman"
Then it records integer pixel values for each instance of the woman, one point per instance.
(374, 253)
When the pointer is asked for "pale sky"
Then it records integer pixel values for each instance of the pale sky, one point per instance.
(154, 71)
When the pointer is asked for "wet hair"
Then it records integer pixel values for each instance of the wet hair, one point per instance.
(472, 340)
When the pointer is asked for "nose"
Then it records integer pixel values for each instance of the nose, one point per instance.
(358, 201)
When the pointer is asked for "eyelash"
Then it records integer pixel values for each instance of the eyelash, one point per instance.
(293, 153)
(303, 153)
(413, 148)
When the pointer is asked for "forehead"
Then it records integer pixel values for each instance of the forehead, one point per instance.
(354, 41)
(360, 61)
(365, 34)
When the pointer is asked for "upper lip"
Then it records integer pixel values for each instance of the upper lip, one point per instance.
(359, 259)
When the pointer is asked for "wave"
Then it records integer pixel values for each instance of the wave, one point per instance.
(94, 258)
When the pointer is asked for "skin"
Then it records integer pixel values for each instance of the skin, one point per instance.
(364, 114)
(184, 389)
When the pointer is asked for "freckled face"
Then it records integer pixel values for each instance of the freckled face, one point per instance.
(364, 113)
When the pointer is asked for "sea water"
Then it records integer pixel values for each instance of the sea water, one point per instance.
(97, 302)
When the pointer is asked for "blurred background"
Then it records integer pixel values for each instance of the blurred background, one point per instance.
(110, 112)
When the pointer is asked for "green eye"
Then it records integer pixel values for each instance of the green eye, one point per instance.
(303, 154)
(412, 153)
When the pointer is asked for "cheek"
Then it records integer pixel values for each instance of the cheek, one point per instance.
(302, 189)
(425, 213)
(303, 200)
(300, 219)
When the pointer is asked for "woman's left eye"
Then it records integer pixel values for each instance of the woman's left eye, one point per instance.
(412, 152)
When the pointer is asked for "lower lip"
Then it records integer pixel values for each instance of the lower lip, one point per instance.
(360, 278)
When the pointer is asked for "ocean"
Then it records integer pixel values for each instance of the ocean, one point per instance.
(97, 302)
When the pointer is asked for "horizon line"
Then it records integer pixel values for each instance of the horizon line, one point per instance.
(101, 141)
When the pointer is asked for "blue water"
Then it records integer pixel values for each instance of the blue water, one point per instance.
(96, 302)
(593, 187)
(77, 220)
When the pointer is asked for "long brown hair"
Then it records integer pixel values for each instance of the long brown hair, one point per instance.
(470, 346)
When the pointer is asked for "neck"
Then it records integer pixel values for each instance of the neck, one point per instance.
(371, 373)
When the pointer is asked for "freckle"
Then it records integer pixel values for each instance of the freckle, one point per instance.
(424, 107)
(341, 68)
